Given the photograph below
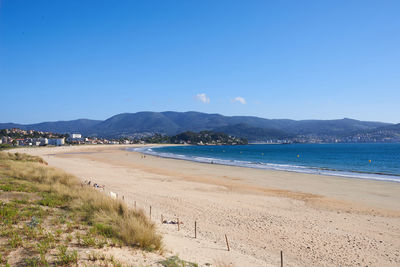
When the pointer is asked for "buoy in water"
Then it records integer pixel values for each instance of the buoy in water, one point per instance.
(298, 156)
(369, 161)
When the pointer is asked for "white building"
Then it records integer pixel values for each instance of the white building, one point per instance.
(44, 141)
(6, 140)
(20, 142)
(60, 141)
(75, 138)
(56, 141)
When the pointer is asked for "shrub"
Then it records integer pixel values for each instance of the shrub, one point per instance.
(175, 261)
(66, 258)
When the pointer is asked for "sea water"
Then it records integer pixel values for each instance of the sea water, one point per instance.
(366, 161)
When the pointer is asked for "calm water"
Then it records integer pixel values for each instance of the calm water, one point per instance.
(368, 161)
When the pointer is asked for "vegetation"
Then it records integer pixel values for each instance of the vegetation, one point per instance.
(207, 137)
(21, 157)
(203, 137)
(47, 216)
(18, 133)
(156, 139)
(5, 146)
(175, 261)
(254, 133)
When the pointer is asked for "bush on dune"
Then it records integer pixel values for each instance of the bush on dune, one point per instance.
(21, 157)
(109, 217)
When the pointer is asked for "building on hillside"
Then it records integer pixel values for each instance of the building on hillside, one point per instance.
(75, 138)
(6, 140)
(20, 142)
(38, 141)
(56, 141)
(60, 141)
(44, 141)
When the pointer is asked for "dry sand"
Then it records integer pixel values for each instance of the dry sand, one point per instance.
(315, 220)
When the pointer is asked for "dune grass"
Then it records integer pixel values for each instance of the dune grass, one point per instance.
(175, 261)
(47, 209)
(5, 146)
(21, 157)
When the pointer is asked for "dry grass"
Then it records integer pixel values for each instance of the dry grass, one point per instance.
(108, 217)
(175, 261)
(21, 157)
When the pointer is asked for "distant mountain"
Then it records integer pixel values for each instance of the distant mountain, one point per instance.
(10, 125)
(331, 126)
(393, 127)
(390, 133)
(80, 125)
(141, 122)
(253, 133)
(171, 123)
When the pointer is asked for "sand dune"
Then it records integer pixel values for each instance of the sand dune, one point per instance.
(316, 220)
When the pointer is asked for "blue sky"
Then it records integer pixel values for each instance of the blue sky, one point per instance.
(62, 60)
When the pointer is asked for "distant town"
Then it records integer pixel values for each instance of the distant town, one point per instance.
(381, 136)
(18, 137)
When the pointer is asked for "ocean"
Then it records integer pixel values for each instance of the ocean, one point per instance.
(364, 161)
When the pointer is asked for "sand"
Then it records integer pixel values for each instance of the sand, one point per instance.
(315, 220)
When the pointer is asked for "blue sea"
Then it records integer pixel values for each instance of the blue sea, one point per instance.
(364, 161)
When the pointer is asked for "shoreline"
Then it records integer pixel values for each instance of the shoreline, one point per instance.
(347, 174)
(314, 219)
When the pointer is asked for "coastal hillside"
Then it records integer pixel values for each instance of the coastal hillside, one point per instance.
(80, 125)
(389, 133)
(172, 123)
(254, 133)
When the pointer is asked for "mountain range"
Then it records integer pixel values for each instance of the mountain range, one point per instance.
(252, 128)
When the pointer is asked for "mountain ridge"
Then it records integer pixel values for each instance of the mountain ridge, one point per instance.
(171, 123)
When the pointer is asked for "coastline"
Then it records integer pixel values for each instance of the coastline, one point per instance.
(314, 219)
(272, 166)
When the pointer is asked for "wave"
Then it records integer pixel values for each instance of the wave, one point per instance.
(270, 166)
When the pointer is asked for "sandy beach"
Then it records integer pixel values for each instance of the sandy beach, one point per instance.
(315, 220)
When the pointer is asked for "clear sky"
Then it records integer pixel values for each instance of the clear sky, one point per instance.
(62, 60)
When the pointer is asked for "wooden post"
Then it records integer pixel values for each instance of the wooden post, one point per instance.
(227, 243)
(178, 225)
(150, 212)
(162, 219)
(123, 197)
(135, 204)
(195, 229)
(281, 258)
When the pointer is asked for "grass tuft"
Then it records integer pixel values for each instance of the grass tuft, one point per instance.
(66, 258)
(21, 157)
(175, 261)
